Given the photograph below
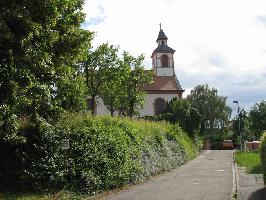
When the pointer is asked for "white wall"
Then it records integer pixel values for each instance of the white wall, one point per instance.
(102, 109)
(148, 106)
(165, 71)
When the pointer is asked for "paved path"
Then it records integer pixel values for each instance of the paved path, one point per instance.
(208, 177)
(251, 186)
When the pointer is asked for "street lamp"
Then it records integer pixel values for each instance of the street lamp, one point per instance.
(239, 125)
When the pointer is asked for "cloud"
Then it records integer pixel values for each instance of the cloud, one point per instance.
(216, 59)
(93, 22)
(217, 42)
(95, 13)
(261, 19)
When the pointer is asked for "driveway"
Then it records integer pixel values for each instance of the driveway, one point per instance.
(208, 177)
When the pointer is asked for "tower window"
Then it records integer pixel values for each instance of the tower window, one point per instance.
(163, 43)
(164, 61)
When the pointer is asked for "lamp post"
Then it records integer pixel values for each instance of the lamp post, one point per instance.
(239, 123)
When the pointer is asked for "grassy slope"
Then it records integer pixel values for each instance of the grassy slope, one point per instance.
(249, 160)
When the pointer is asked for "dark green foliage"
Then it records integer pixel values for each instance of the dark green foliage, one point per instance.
(257, 117)
(241, 123)
(212, 108)
(218, 138)
(99, 69)
(180, 111)
(263, 155)
(40, 42)
(105, 153)
(135, 76)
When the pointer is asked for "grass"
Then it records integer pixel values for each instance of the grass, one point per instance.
(249, 160)
(62, 195)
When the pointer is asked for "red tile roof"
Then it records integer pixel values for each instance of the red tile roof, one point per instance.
(163, 83)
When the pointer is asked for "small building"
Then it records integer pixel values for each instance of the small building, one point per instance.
(165, 84)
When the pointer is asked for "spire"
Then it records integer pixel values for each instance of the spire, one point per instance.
(161, 35)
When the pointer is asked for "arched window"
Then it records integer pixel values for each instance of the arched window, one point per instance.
(164, 61)
(159, 106)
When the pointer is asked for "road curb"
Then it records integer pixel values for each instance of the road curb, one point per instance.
(235, 189)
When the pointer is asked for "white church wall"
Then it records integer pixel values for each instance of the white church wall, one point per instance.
(148, 106)
(164, 71)
(102, 109)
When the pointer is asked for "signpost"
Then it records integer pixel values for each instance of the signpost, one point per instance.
(65, 144)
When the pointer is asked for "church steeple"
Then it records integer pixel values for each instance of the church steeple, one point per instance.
(162, 56)
(162, 38)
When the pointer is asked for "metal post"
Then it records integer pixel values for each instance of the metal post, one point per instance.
(239, 124)
(239, 128)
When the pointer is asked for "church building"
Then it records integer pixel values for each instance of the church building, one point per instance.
(165, 84)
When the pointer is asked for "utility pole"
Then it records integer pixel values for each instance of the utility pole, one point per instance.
(239, 124)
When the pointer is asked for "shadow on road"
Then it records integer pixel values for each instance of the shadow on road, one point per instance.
(258, 195)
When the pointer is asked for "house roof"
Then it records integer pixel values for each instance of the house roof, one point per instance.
(164, 83)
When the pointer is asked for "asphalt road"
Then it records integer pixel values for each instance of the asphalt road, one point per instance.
(208, 177)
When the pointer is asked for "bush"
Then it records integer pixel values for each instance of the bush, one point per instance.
(105, 153)
(263, 155)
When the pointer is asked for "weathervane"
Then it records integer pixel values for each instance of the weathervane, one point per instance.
(160, 26)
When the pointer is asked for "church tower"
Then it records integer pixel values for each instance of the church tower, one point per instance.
(163, 56)
(165, 85)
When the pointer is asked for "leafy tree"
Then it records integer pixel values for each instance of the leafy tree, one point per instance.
(98, 69)
(242, 127)
(40, 41)
(180, 111)
(211, 106)
(112, 90)
(72, 93)
(135, 78)
(257, 118)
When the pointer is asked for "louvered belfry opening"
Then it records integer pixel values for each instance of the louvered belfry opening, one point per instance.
(165, 61)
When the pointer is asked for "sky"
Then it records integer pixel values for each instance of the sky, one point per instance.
(221, 43)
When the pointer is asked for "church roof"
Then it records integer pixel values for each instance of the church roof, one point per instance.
(164, 83)
(161, 36)
(163, 49)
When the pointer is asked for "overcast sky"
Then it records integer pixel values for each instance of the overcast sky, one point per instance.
(218, 42)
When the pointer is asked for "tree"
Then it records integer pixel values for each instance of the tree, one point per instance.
(180, 111)
(135, 78)
(112, 90)
(40, 42)
(257, 118)
(98, 69)
(72, 93)
(211, 106)
(241, 124)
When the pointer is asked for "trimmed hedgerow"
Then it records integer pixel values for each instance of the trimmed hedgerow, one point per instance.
(105, 153)
(263, 155)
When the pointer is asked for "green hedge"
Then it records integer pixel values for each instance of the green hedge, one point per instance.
(105, 153)
(263, 155)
